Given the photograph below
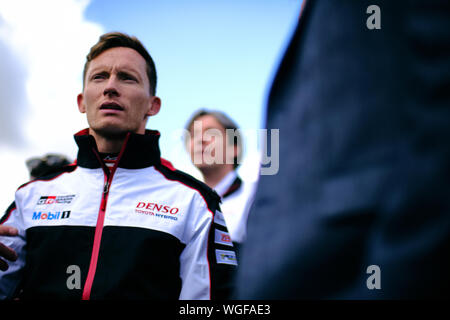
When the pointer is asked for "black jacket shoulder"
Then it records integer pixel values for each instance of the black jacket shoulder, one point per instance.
(211, 197)
(52, 174)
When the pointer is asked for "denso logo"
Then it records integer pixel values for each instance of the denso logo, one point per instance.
(157, 207)
(39, 215)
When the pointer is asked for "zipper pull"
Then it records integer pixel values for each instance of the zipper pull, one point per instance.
(106, 187)
(105, 194)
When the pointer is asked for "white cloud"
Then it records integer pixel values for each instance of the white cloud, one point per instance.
(13, 96)
(43, 45)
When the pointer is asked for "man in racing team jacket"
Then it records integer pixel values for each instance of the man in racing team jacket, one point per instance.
(121, 219)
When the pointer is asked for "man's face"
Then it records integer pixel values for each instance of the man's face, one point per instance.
(116, 97)
(208, 145)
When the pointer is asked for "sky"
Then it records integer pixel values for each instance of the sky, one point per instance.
(214, 54)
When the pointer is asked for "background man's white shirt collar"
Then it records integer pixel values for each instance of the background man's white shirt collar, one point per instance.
(225, 183)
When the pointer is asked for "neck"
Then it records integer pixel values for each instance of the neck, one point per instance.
(108, 144)
(212, 176)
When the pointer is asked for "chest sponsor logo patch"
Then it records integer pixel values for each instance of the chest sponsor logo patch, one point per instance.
(48, 215)
(48, 200)
(157, 210)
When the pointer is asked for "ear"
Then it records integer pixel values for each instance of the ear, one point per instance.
(80, 101)
(234, 152)
(237, 151)
(155, 106)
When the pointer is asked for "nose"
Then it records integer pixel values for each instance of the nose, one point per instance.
(111, 87)
(200, 139)
(198, 143)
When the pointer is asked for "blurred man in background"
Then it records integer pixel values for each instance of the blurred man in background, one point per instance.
(215, 146)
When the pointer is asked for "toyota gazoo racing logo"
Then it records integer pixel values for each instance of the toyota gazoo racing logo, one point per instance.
(47, 215)
(157, 210)
(45, 200)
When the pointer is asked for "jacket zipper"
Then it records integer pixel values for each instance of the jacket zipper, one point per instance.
(108, 176)
(97, 240)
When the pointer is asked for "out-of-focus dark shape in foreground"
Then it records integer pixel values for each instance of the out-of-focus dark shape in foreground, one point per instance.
(364, 179)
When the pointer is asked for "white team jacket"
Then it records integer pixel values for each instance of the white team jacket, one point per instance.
(139, 230)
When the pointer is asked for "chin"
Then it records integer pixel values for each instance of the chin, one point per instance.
(206, 167)
(113, 132)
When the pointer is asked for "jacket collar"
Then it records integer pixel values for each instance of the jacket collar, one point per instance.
(139, 150)
(229, 184)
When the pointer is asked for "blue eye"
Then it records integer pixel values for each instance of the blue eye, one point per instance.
(127, 77)
(99, 76)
